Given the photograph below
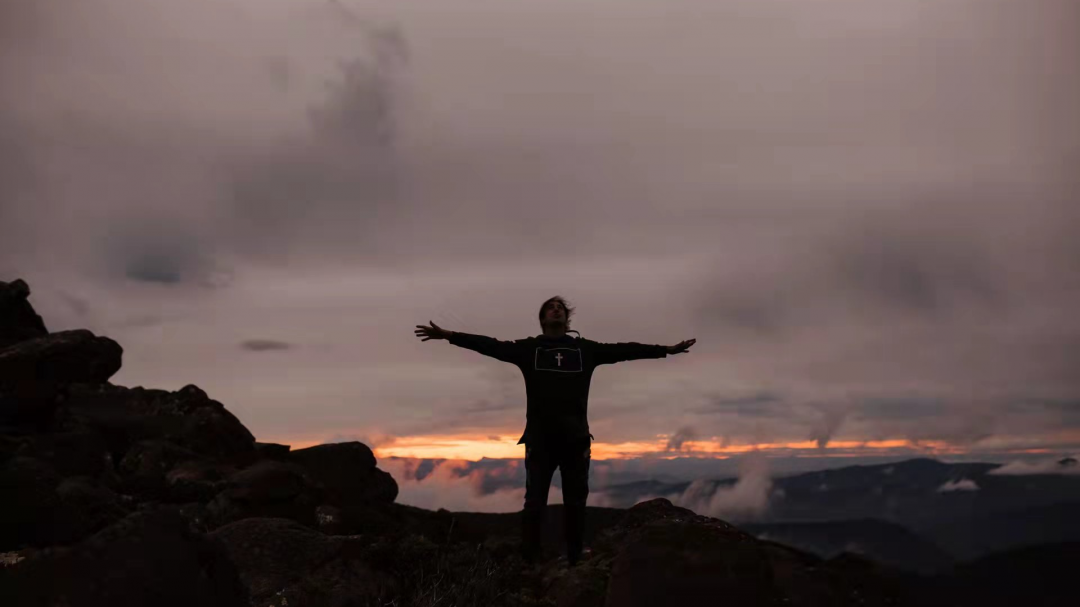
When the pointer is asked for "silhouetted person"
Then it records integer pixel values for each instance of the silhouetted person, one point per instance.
(558, 369)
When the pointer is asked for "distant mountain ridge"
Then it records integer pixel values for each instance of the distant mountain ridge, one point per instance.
(964, 508)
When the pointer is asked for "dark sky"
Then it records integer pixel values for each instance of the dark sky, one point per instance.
(865, 212)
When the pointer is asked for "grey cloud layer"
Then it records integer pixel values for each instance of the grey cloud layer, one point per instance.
(869, 211)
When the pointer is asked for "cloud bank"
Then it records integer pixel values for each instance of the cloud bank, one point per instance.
(864, 214)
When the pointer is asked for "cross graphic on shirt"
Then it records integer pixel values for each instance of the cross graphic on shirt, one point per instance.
(558, 357)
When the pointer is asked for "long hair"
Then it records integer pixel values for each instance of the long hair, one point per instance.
(566, 306)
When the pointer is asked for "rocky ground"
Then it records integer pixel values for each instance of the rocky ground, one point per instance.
(122, 496)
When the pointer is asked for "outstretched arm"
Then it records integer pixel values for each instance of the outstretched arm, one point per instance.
(606, 354)
(506, 351)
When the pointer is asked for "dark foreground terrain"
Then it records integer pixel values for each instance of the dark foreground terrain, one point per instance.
(115, 496)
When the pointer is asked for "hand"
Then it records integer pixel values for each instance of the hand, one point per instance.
(681, 347)
(432, 332)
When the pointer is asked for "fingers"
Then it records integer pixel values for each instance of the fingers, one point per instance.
(422, 331)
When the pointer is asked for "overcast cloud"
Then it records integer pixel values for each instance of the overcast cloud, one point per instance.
(865, 212)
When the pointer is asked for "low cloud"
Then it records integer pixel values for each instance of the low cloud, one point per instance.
(827, 425)
(262, 345)
(1066, 465)
(747, 499)
(675, 443)
(964, 484)
(458, 485)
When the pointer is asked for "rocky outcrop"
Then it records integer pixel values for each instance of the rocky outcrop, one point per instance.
(348, 472)
(267, 489)
(66, 357)
(151, 557)
(18, 320)
(282, 562)
(660, 553)
(355, 491)
(187, 418)
(78, 454)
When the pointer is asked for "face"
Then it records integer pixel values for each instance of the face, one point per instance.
(554, 312)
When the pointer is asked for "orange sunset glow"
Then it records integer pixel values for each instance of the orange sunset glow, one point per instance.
(471, 447)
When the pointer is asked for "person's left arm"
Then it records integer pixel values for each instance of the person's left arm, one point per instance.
(609, 353)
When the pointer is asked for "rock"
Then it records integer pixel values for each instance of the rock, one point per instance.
(342, 581)
(86, 507)
(196, 480)
(261, 452)
(148, 558)
(284, 563)
(11, 445)
(187, 418)
(355, 491)
(267, 489)
(330, 520)
(196, 515)
(39, 508)
(348, 472)
(78, 452)
(349, 457)
(271, 553)
(147, 464)
(272, 450)
(28, 407)
(28, 503)
(661, 553)
(61, 358)
(18, 320)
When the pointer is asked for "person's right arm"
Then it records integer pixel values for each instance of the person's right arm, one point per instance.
(506, 351)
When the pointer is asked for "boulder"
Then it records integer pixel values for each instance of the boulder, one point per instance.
(28, 407)
(10, 446)
(86, 507)
(348, 472)
(187, 418)
(148, 558)
(39, 508)
(271, 553)
(197, 516)
(196, 481)
(261, 452)
(330, 520)
(18, 320)
(76, 452)
(284, 563)
(28, 503)
(147, 464)
(336, 458)
(267, 489)
(660, 553)
(272, 450)
(76, 356)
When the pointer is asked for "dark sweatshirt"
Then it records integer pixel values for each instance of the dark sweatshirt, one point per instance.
(557, 373)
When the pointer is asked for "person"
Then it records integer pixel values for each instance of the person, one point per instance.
(557, 369)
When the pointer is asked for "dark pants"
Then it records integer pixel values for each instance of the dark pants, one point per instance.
(541, 460)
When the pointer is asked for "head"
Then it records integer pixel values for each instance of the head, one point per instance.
(555, 313)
